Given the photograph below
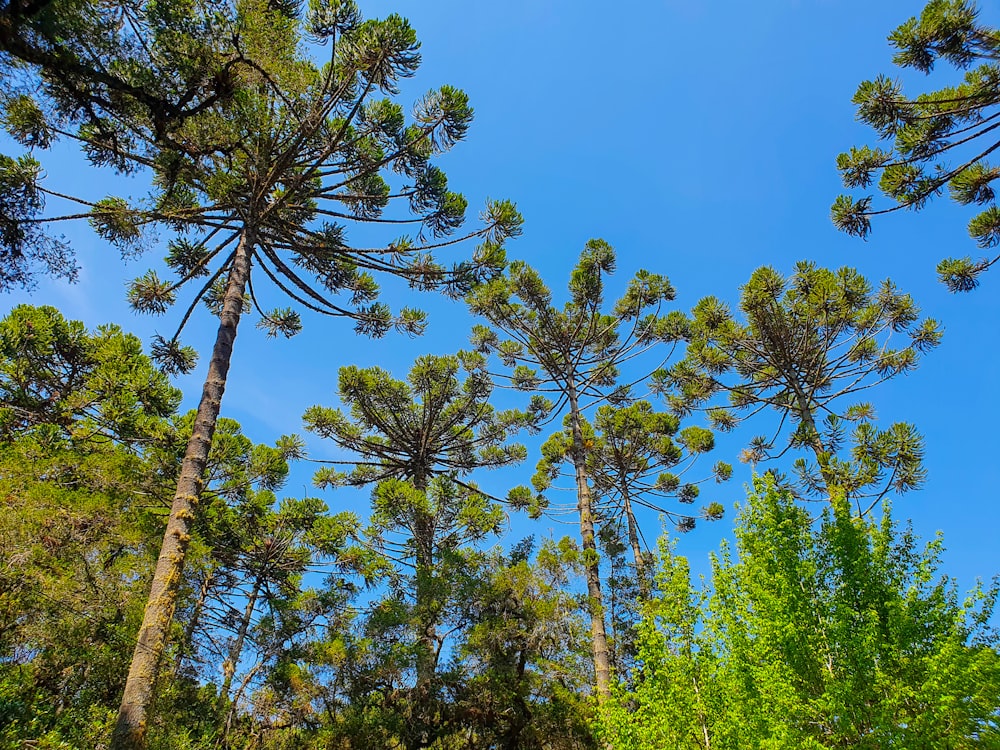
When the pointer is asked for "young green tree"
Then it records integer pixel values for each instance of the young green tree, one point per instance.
(672, 699)
(806, 345)
(416, 442)
(575, 353)
(272, 549)
(840, 634)
(939, 139)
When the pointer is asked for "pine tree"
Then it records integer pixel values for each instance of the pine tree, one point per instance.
(416, 442)
(807, 343)
(268, 179)
(575, 353)
(939, 139)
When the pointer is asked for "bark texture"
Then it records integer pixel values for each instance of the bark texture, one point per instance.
(591, 559)
(133, 715)
(641, 574)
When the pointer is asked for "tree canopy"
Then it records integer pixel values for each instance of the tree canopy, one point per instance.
(939, 139)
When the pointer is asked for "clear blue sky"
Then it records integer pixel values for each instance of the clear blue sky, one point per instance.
(699, 139)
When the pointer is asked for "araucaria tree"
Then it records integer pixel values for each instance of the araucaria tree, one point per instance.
(119, 77)
(637, 458)
(574, 353)
(939, 139)
(806, 345)
(268, 179)
(416, 442)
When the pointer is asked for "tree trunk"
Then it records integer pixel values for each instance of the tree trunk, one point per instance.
(591, 559)
(229, 667)
(233, 660)
(423, 538)
(641, 574)
(186, 646)
(133, 715)
(805, 415)
(427, 644)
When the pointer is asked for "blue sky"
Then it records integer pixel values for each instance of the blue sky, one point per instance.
(697, 138)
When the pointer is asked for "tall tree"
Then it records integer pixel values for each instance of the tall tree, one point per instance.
(631, 457)
(576, 353)
(118, 78)
(417, 441)
(836, 634)
(939, 139)
(806, 345)
(262, 181)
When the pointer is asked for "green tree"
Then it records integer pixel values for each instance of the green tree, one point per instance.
(807, 343)
(416, 442)
(268, 180)
(118, 78)
(818, 636)
(80, 414)
(273, 548)
(524, 653)
(574, 353)
(936, 140)
(87, 387)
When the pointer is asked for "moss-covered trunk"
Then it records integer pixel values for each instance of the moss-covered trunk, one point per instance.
(133, 715)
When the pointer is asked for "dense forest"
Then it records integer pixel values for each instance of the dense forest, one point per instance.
(536, 497)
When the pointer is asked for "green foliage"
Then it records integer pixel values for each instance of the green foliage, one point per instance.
(58, 378)
(431, 424)
(952, 123)
(118, 78)
(83, 424)
(416, 442)
(24, 247)
(805, 345)
(816, 636)
(574, 352)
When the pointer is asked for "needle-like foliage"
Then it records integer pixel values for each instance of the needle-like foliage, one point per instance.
(937, 140)
(416, 442)
(805, 346)
(574, 353)
(118, 78)
(638, 458)
(254, 190)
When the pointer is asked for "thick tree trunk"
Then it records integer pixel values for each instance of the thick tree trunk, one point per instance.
(133, 715)
(591, 559)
